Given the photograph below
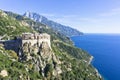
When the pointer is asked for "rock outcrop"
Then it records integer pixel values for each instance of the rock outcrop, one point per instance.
(4, 73)
(41, 57)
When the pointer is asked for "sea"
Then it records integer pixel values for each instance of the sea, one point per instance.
(105, 48)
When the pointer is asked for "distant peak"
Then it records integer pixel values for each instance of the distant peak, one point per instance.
(34, 16)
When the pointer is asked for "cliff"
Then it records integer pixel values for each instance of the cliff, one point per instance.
(59, 60)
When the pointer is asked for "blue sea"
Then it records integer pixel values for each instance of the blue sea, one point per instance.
(106, 51)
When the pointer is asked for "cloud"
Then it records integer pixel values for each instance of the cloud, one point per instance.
(93, 20)
(48, 15)
(113, 12)
(67, 19)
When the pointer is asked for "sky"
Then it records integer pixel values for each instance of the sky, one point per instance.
(88, 16)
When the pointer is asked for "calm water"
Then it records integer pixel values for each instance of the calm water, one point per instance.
(106, 52)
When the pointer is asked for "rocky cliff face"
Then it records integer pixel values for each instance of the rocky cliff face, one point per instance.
(42, 59)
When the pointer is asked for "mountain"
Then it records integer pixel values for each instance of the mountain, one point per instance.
(53, 59)
(66, 30)
(10, 27)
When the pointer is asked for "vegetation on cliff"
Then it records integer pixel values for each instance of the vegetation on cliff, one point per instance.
(62, 62)
(10, 27)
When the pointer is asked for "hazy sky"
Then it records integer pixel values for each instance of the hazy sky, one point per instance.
(90, 16)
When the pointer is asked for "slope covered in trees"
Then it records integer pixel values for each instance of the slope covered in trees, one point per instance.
(74, 62)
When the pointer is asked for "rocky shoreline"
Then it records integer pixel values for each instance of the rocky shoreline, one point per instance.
(97, 72)
(91, 58)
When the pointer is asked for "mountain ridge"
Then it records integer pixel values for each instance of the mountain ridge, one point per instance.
(66, 30)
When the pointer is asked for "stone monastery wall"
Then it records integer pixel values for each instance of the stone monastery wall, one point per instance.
(35, 38)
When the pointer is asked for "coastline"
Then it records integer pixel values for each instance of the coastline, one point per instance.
(97, 72)
(89, 62)
(101, 61)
